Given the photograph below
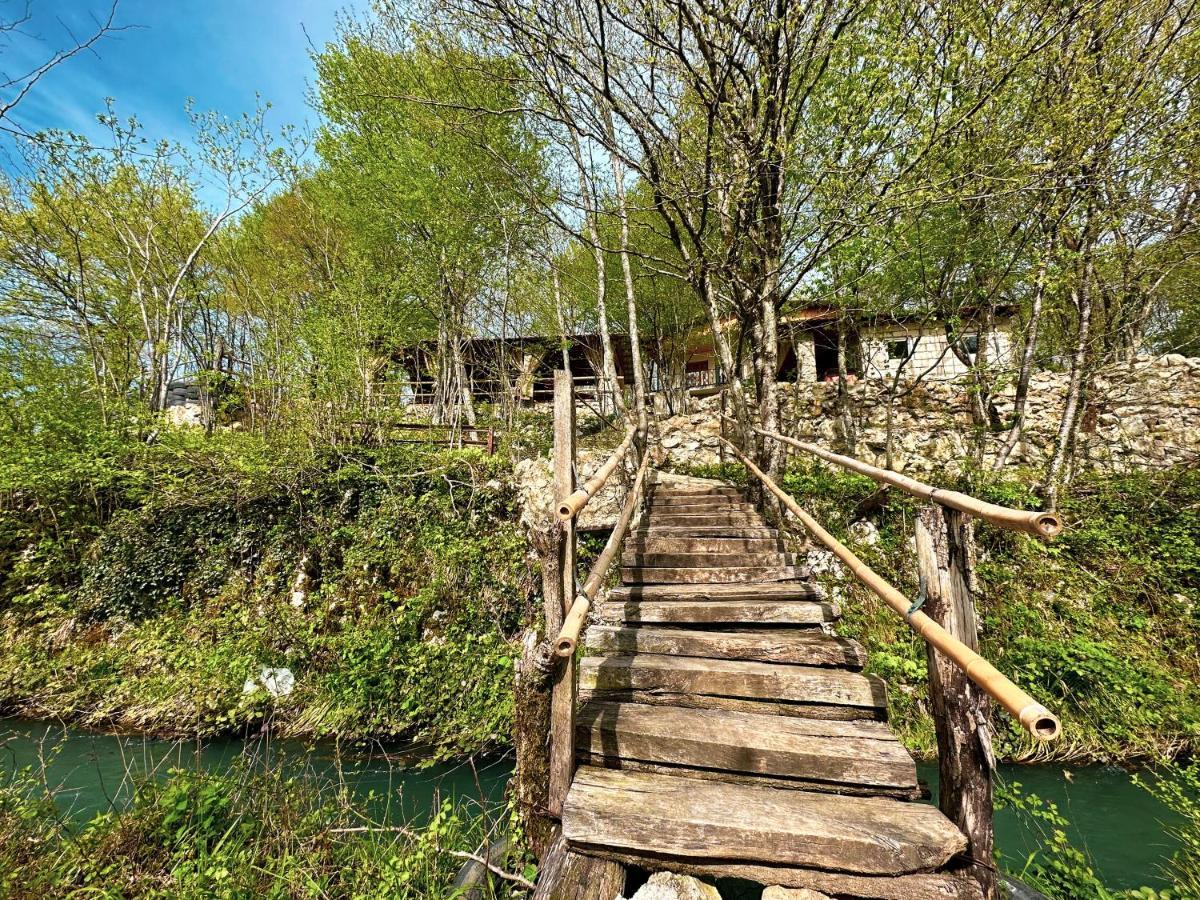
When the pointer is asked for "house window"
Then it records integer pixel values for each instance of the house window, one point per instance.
(898, 349)
(971, 343)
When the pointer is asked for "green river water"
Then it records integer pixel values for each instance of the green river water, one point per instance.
(1123, 828)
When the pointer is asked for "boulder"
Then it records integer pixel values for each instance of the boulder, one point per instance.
(782, 893)
(669, 886)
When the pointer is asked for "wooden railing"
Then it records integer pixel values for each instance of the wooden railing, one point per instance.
(566, 616)
(1042, 524)
(568, 637)
(1033, 716)
(961, 681)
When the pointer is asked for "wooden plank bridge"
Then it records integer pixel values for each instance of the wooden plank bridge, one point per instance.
(723, 730)
(716, 724)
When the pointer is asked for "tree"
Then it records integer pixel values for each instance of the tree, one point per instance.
(416, 176)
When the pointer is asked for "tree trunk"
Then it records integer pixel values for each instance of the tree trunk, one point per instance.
(635, 347)
(1028, 352)
(591, 217)
(1074, 400)
(845, 415)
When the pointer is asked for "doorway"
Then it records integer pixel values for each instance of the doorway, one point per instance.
(825, 351)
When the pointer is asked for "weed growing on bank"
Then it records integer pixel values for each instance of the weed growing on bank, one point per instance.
(388, 581)
(247, 832)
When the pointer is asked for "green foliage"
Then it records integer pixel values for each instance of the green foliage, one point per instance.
(1060, 870)
(247, 832)
(415, 583)
(1178, 788)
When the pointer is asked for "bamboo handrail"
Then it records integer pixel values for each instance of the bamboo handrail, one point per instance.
(1033, 716)
(571, 506)
(568, 637)
(1046, 525)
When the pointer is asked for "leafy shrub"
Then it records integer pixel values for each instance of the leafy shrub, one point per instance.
(247, 832)
(416, 582)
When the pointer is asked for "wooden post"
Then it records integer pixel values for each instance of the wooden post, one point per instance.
(721, 426)
(562, 702)
(491, 442)
(945, 559)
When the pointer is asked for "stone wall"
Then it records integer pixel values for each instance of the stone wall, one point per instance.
(535, 492)
(1144, 415)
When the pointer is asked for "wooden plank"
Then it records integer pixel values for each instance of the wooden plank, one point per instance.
(686, 544)
(865, 730)
(721, 518)
(710, 575)
(922, 886)
(714, 820)
(717, 612)
(705, 531)
(692, 508)
(782, 590)
(806, 647)
(662, 490)
(761, 707)
(659, 496)
(566, 875)
(633, 558)
(920, 792)
(731, 678)
(741, 742)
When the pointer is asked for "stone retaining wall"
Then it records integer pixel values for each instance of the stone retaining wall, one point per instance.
(1144, 415)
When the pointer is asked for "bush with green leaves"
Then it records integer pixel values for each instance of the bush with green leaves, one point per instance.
(251, 831)
(414, 584)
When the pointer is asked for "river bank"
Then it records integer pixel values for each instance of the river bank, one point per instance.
(1124, 831)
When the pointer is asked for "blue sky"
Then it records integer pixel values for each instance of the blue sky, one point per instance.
(219, 52)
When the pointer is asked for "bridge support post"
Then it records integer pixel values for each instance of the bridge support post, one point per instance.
(945, 556)
(562, 702)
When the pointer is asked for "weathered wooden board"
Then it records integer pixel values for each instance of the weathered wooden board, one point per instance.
(566, 875)
(923, 886)
(699, 559)
(698, 544)
(761, 707)
(704, 531)
(713, 518)
(701, 501)
(710, 575)
(731, 678)
(856, 754)
(683, 817)
(920, 792)
(661, 491)
(784, 590)
(717, 612)
(806, 647)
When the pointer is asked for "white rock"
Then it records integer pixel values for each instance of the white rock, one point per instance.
(864, 532)
(276, 682)
(669, 886)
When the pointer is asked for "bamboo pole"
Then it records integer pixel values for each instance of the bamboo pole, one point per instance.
(1034, 718)
(569, 508)
(1043, 524)
(568, 637)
